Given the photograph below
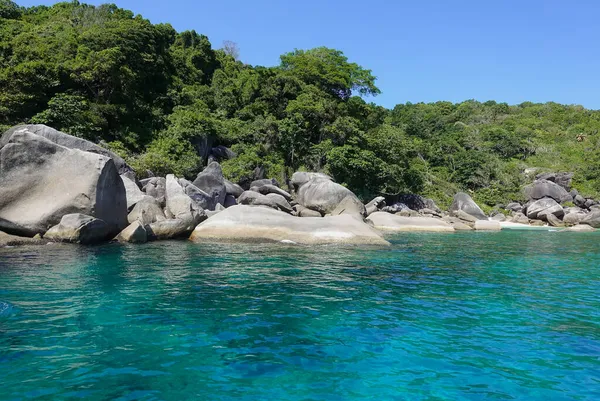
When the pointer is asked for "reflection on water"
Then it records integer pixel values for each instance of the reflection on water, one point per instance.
(463, 316)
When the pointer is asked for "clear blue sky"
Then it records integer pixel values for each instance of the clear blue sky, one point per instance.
(420, 51)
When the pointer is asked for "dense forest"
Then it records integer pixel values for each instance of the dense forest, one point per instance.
(160, 98)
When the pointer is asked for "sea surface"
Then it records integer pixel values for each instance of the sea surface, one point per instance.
(464, 316)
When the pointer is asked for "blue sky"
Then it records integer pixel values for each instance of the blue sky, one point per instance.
(421, 51)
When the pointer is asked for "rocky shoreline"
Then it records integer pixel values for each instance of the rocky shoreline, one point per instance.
(58, 188)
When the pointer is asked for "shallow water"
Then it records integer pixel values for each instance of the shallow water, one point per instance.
(465, 316)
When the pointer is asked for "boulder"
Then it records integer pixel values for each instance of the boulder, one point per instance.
(514, 207)
(300, 178)
(393, 222)
(211, 181)
(322, 195)
(179, 205)
(302, 211)
(546, 189)
(146, 211)
(41, 181)
(70, 142)
(487, 225)
(169, 229)
(414, 202)
(499, 217)
(581, 228)
(465, 217)
(430, 212)
(405, 213)
(264, 181)
(350, 205)
(281, 202)
(255, 199)
(230, 200)
(457, 223)
(202, 199)
(271, 189)
(78, 228)
(7, 240)
(592, 219)
(589, 203)
(134, 233)
(233, 189)
(520, 218)
(132, 192)
(553, 220)
(573, 218)
(579, 201)
(542, 207)
(563, 179)
(395, 208)
(375, 204)
(246, 224)
(156, 187)
(222, 153)
(464, 202)
(536, 223)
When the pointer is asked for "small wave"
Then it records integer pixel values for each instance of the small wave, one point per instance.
(6, 309)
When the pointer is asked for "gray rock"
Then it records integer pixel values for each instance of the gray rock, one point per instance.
(169, 229)
(211, 181)
(133, 193)
(322, 195)
(78, 228)
(416, 202)
(222, 153)
(540, 208)
(465, 217)
(202, 199)
(70, 142)
(583, 228)
(554, 221)
(233, 189)
(579, 200)
(520, 218)
(156, 188)
(264, 181)
(146, 211)
(350, 205)
(302, 211)
(181, 206)
(572, 219)
(487, 225)
(255, 199)
(431, 212)
(375, 205)
(300, 178)
(563, 179)
(393, 222)
(406, 213)
(134, 233)
(464, 202)
(271, 189)
(592, 219)
(514, 207)
(395, 208)
(41, 181)
(589, 203)
(457, 223)
(230, 201)
(546, 189)
(246, 224)
(499, 217)
(281, 202)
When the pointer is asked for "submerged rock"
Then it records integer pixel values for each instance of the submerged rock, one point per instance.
(245, 223)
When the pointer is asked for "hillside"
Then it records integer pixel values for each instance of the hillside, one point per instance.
(162, 99)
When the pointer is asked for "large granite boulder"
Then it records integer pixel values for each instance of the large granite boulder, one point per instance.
(393, 222)
(592, 219)
(71, 142)
(146, 211)
(156, 187)
(132, 192)
(248, 224)
(271, 189)
(180, 205)
(457, 223)
(264, 181)
(41, 181)
(134, 233)
(211, 181)
(546, 189)
(573, 218)
(281, 202)
(322, 195)
(485, 225)
(202, 199)
(78, 228)
(375, 204)
(169, 229)
(540, 208)
(464, 202)
(413, 201)
(563, 179)
(302, 211)
(300, 178)
(252, 198)
(520, 218)
(233, 189)
(350, 205)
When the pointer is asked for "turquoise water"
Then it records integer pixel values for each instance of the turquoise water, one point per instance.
(466, 316)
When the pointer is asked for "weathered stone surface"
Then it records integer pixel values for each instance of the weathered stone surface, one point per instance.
(515, 207)
(233, 189)
(375, 205)
(156, 187)
(41, 181)
(499, 217)
(134, 233)
(579, 200)
(464, 216)
(244, 223)
(181, 206)
(230, 201)
(563, 179)
(202, 199)
(520, 218)
(487, 225)
(581, 228)
(302, 211)
(430, 212)
(70, 142)
(300, 178)
(169, 229)
(414, 202)
(554, 221)
(322, 195)
(132, 192)
(592, 219)
(350, 205)
(537, 223)
(457, 223)
(78, 228)
(406, 213)
(393, 222)
(222, 153)
(15, 240)
(573, 218)
(281, 202)
(146, 211)
(255, 199)
(464, 202)
(540, 208)
(211, 181)
(264, 181)
(271, 189)
(546, 189)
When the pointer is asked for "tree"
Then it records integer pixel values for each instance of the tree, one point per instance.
(231, 49)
